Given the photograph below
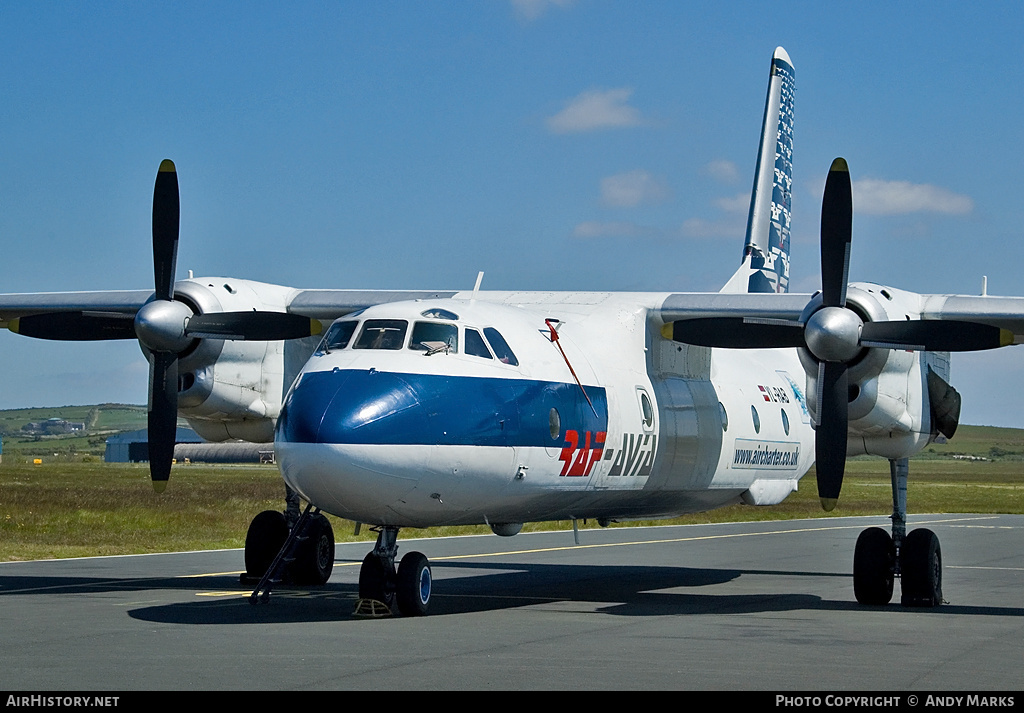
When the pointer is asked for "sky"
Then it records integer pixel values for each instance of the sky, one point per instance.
(553, 144)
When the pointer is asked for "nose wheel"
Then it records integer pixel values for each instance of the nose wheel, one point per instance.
(916, 558)
(383, 587)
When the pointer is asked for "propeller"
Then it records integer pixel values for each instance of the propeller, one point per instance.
(165, 327)
(835, 334)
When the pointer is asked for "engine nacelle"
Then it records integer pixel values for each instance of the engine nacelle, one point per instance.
(232, 389)
(894, 394)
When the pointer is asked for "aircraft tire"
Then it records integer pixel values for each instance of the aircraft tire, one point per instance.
(921, 566)
(264, 539)
(415, 584)
(873, 567)
(375, 582)
(314, 560)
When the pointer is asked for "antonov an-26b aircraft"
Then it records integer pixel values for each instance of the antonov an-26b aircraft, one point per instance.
(470, 407)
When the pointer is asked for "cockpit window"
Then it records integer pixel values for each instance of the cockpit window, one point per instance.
(382, 334)
(475, 344)
(501, 348)
(438, 313)
(337, 336)
(432, 337)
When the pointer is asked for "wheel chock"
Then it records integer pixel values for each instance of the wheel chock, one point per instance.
(372, 609)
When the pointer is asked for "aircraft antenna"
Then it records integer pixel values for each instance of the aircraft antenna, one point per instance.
(554, 340)
(476, 287)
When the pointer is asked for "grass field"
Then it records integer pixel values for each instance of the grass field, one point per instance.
(72, 509)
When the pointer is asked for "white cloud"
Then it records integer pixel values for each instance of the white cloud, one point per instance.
(529, 10)
(630, 189)
(740, 203)
(612, 229)
(596, 109)
(877, 197)
(723, 171)
(700, 228)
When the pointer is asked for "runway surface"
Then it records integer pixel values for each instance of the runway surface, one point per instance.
(753, 606)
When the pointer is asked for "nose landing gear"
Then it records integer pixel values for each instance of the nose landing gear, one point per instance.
(382, 587)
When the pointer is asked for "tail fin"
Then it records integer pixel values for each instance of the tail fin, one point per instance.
(765, 265)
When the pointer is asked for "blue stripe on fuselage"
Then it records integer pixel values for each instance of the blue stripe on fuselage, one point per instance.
(376, 407)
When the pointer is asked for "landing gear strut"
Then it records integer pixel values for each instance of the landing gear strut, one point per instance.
(915, 558)
(381, 586)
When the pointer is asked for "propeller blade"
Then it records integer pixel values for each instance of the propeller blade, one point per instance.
(830, 432)
(257, 326)
(166, 214)
(75, 326)
(935, 336)
(163, 416)
(736, 333)
(836, 234)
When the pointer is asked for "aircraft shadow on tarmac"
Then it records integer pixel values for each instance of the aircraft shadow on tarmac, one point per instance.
(462, 588)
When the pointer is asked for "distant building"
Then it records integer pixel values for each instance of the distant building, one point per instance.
(53, 427)
(133, 447)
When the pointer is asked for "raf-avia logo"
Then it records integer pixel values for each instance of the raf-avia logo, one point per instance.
(579, 461)
(636, 457)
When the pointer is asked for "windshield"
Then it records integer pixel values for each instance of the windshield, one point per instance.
(382, 334)
(337, 336)
(433, 337)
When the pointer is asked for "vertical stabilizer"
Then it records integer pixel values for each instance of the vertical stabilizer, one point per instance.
(765, 265)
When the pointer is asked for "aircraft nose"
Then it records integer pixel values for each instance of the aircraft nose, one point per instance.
(351, 407)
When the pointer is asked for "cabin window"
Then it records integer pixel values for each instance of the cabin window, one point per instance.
(433, 337)
(337, 336)
(501, 348)
(725, 416)
(475, 344)
(554, 424)
(646, 409)
(785, 422)
(382, 334)
(756, 419)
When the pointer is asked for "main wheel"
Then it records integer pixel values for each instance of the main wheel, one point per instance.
(921, 567)
(314, 557)
(266, 535)
(375, 581)
(415, 584)
(873, 563)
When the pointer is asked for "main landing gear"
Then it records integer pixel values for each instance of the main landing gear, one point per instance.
(915, 558)
(277, 553)
(381, 586)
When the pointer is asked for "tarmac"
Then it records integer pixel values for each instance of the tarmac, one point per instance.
(765, 606)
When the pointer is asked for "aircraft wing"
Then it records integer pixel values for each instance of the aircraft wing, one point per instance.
(331, 304)
(699, 305)
(13, 306)
(1003, 312)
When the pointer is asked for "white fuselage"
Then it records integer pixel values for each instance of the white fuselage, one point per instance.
(389, 431)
